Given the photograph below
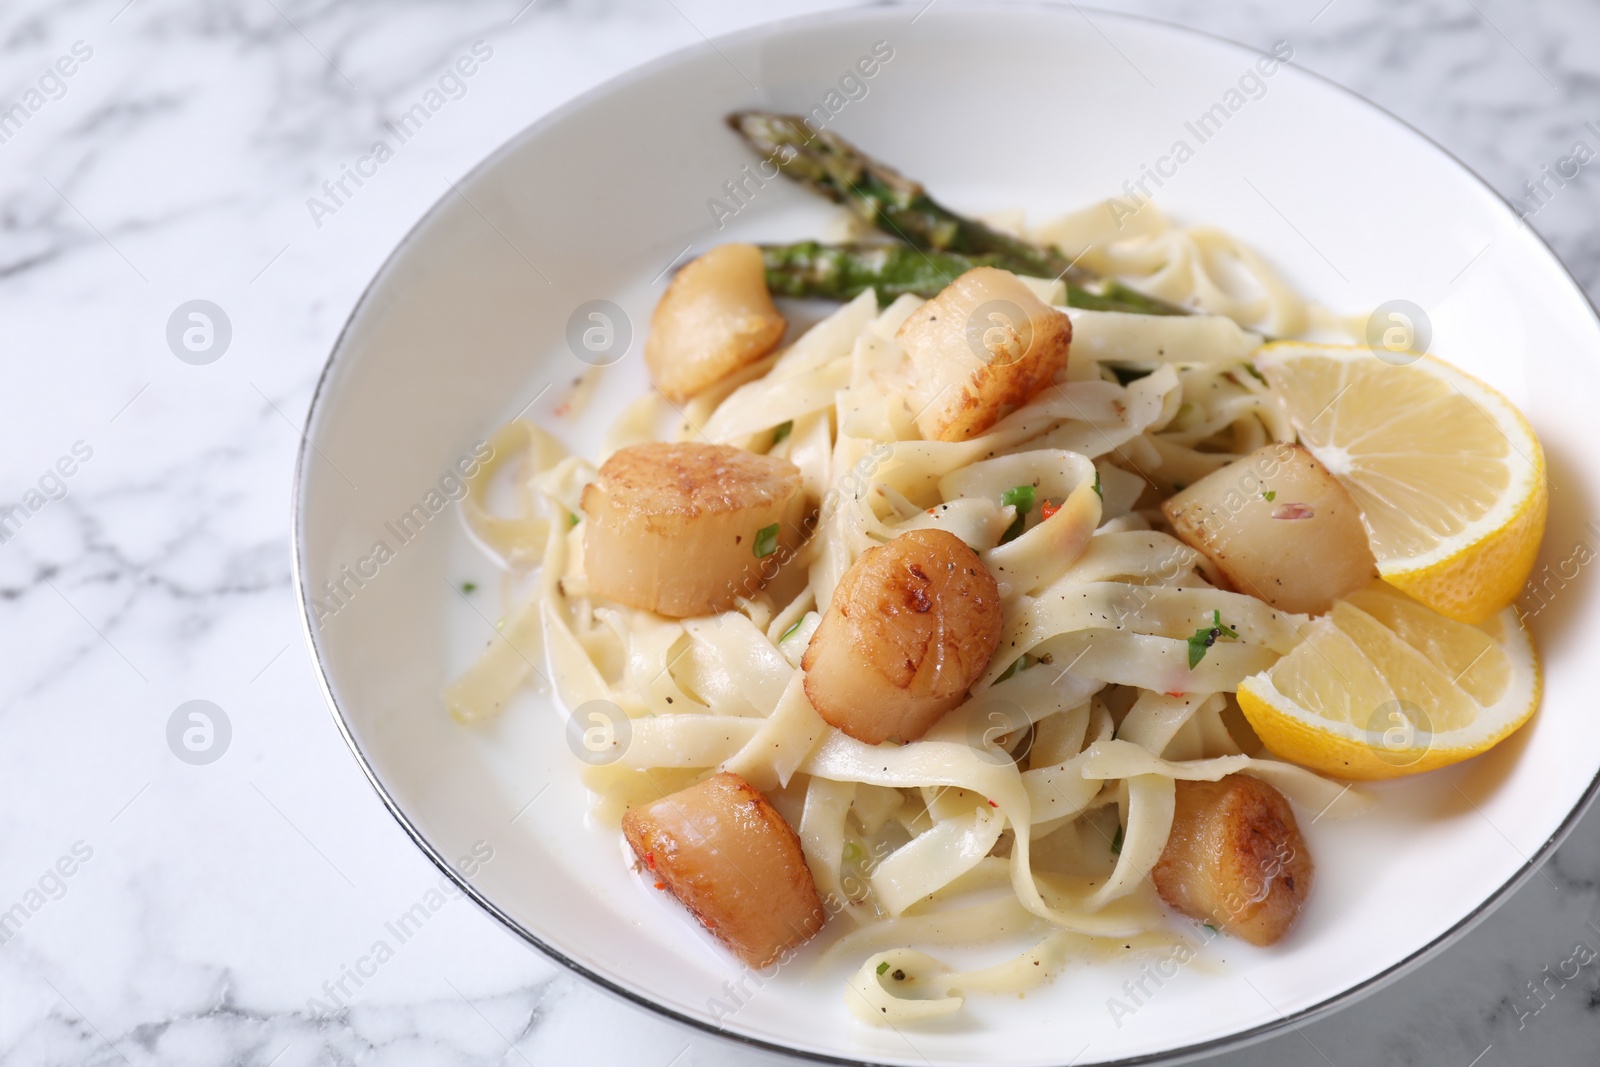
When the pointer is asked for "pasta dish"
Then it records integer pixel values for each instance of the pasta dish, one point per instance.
(1050, 585)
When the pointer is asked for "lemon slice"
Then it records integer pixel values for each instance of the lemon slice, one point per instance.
(1383, 686)
(1449, 477)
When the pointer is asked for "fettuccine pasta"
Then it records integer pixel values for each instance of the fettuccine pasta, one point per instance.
(1039, 805)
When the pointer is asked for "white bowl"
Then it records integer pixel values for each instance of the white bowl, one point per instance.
(995, 107)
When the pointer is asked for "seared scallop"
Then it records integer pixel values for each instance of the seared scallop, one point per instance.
(728, 856)
(1278, 526)
(715, 317)
(982, 347)
(687, 529)
(912, 625)
(1235, 859)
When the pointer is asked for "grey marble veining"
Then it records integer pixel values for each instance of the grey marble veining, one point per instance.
(208, 905)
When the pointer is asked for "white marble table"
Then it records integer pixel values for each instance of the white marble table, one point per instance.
(206, 904)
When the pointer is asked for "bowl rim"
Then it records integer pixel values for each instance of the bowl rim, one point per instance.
(643, 71)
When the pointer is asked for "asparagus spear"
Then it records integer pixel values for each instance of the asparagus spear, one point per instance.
(844, 271)
(882, 196)
(897, 205)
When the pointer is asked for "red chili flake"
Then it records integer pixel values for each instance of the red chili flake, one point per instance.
(1048, 509)
(650, 860)
(992, 804)
(1174, 694)
(562, 409)
(661, 885)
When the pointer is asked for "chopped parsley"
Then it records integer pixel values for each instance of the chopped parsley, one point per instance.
(572, 519)
(1125, 373)
(469, 587)
(1250, 369)
(790, 631)
(1270, 495)
(1116, 843)
(1017, 665)
(1208, 926)
(1020, 497)
(766, 542)
(1097, 490)
(883, 967)
(783, 431)
(1207, 636)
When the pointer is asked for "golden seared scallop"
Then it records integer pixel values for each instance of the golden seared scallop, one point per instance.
(715, 317)
(687, 529)
(728, 856)
(912, 625)
(1235, 859)
(1278, 526)
(982, 347)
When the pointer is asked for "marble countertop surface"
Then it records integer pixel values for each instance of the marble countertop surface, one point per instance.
(166, 912)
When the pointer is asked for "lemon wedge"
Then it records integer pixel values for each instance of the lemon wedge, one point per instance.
(1383, 686)
(1448, 475)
